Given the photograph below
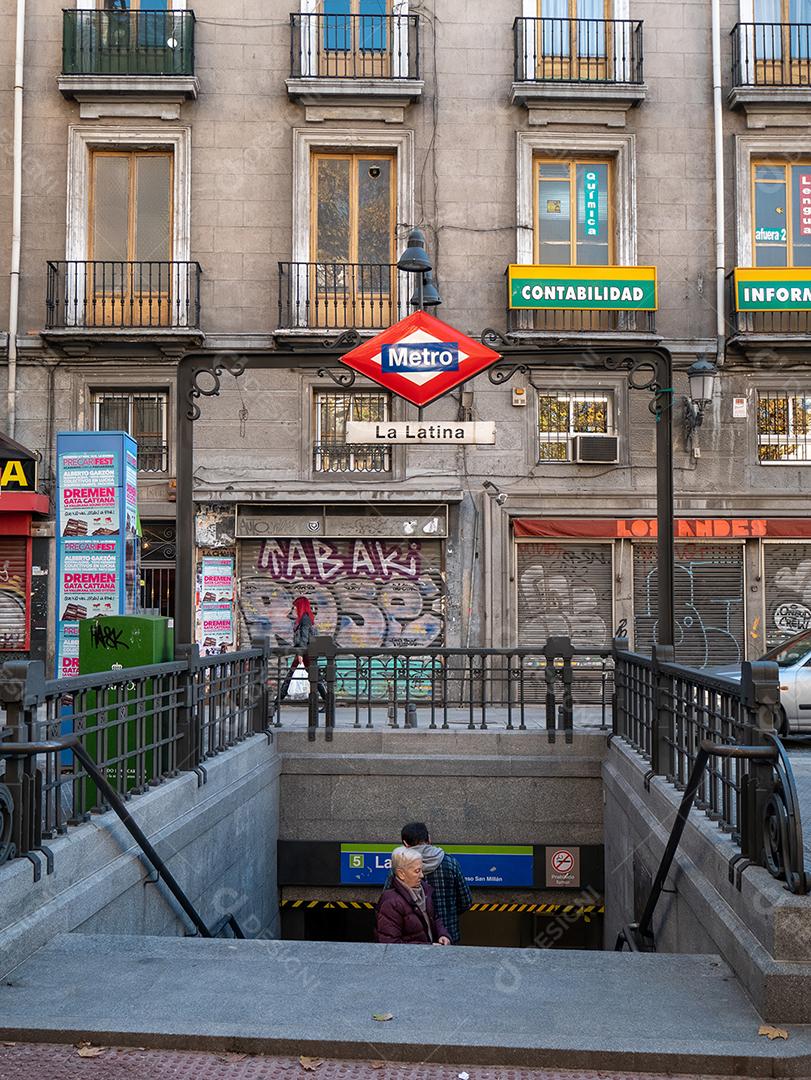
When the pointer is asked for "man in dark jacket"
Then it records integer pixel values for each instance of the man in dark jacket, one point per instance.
(443, 873)
(405, 911)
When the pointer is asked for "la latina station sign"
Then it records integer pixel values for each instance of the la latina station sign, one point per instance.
(420, 358)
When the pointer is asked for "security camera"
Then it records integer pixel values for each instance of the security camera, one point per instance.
(501, 498)
(374, 172)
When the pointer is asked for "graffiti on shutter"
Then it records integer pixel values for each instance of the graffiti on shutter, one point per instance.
(708, 612)
(787, 570)
(365, 593)
(13, 593)
(564, 590)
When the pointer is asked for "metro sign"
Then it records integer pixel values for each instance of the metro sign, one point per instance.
(420, 358)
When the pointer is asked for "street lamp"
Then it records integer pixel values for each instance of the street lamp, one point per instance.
(429, 291)
(703, 378)
(414, 260)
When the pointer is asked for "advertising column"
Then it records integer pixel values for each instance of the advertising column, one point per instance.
(96, 534)
(215, 605)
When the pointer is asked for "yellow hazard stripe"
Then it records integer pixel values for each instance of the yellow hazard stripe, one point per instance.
(368, 905)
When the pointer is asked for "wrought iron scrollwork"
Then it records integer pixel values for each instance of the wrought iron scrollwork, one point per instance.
(342, 376)
(642, 375)
(7, 848)
(493, 338)
(212, 372)
(782, 832)
(349, 339)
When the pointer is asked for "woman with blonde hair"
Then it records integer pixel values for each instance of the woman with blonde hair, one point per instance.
(405, 911)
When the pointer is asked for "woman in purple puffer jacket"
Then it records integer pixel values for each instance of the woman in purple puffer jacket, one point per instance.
(405, 912)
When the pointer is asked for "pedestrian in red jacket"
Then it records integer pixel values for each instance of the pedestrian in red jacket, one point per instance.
(405, 912)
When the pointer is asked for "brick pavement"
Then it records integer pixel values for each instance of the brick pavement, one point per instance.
(33, 1061)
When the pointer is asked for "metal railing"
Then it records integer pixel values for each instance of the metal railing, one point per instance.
(138, 725)
(354, 46)
(693, 728)
(768, 323)
(112, 295)
(518, 688)
(771, 54)
(584, 321)
(329, 296)
(127, 42)
(578, 50)
(336, 456)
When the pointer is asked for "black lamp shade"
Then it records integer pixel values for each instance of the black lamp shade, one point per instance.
(430, 293)
(415, 259)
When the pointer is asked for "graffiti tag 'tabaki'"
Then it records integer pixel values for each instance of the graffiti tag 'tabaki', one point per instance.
(290, 560)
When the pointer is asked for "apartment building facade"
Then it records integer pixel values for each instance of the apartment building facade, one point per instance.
(240, 178)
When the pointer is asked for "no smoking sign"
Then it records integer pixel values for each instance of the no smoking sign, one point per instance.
(563, 868)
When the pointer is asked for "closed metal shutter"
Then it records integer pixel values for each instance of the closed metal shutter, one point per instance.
(13, 593)
(565, 590)
(708, 602)
(787, 580)
(367, 593)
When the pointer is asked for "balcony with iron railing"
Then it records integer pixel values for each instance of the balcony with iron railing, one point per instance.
(566, 60)
(336, 456)
(321, 296)
(354, 56)
(94, 297)
(768, 307)
(771, 65)
(127, 51)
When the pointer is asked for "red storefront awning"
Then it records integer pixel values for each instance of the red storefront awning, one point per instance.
(646, 528)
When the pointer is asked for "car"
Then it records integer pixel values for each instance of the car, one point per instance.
(793, 658)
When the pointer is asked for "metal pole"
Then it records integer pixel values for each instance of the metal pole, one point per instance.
(184, 451)
(664, 496)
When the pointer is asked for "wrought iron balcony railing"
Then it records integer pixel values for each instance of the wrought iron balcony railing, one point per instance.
(585, 321)
(338, 457)
(354, 46)
(340, 296)
(765, 323)
(771, 54)
(127, 42)
(153, 456)
(113, 295)
(578, 50)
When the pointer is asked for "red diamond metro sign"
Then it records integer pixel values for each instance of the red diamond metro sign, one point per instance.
(420, 358)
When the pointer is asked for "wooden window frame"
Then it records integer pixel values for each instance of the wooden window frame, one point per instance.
(354, 157)
(131, 156)
(99, 392)
(780, 163)
(359, 460)
(572, 163)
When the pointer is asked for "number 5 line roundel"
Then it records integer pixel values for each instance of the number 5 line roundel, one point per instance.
(420, 358)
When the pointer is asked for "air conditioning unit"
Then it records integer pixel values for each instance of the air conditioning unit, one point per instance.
(595, 449)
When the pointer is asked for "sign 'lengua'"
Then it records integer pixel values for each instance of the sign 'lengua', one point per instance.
(425, 356)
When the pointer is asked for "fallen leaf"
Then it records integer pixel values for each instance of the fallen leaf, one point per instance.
(310, 1064)
(772, 1032)
(9, 1044)
(87, 1051)
(382, 1016)
(232, 1057)
(377, 1064)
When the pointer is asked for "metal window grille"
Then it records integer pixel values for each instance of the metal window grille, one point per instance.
(784, 426)
(331, 452)
(143, 416)
(564, 414)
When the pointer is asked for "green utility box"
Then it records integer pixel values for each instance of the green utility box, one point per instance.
(112, 642)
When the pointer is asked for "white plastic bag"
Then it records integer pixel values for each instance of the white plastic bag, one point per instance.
(299, 684)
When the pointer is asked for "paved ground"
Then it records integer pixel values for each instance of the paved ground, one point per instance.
(496, 717)
(58, 1062)
(517, 1007)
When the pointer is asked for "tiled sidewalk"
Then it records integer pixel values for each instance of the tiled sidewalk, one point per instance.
(55, 1062)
